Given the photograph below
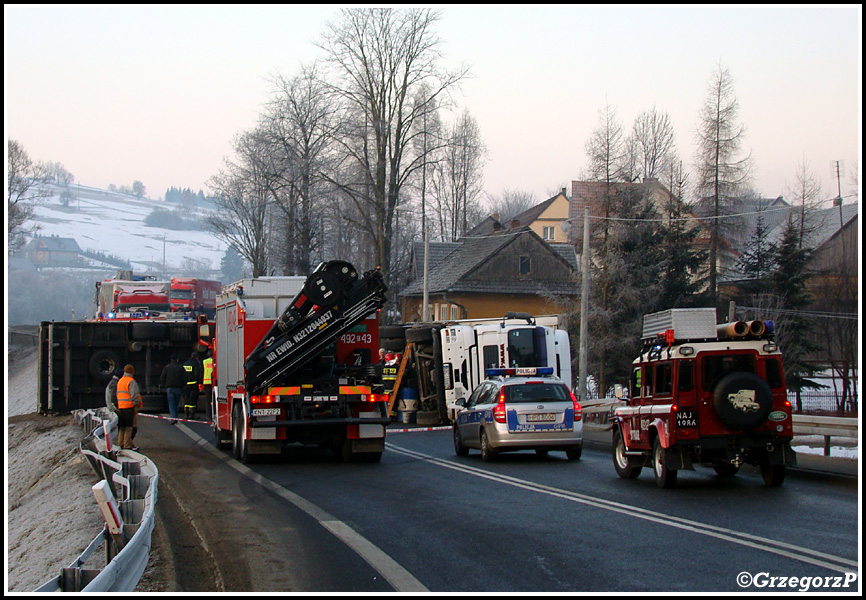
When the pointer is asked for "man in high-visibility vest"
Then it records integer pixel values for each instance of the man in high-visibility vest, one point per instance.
(190, 390)
(207, 382)
(128, 398)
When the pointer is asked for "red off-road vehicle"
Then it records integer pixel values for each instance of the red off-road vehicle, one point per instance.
(704, 394)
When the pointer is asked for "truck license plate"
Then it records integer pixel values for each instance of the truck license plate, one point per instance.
(687, 418)
(264, 412)
(540, 418)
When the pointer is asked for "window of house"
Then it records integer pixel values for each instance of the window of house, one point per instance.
(455, 312)
(443, 312)
(525, 266)
(549, 233)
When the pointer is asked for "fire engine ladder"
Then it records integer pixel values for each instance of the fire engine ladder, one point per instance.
(400, 372)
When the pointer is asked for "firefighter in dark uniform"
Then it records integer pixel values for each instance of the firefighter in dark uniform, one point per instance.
(192, 369)
(389, 371)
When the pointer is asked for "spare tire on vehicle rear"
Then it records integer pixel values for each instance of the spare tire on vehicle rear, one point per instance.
(742, 400)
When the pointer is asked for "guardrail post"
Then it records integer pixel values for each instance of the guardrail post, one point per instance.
(826, 445)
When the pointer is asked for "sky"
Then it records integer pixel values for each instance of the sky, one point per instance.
(158, 93)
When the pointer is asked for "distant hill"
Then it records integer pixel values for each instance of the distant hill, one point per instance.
(152, 236)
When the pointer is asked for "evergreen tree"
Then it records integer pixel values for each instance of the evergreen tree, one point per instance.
(788, 281)
(232, 265)
(756, 261)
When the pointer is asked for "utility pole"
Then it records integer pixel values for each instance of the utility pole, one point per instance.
(584, 306)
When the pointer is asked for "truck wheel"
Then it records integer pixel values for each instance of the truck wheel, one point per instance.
(392, 332)
(620, 460)
(487, 453)
(103, 364)
(742, 400)
(239, 442)
(459, 448)
(665, 477)
(419, 334)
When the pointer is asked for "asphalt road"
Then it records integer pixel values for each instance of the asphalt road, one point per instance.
(424, 519)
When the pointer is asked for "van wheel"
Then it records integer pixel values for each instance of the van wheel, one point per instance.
(620, 460)
(574, 453)
(665, 477)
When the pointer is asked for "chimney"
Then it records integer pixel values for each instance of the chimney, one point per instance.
(515, 223)
(563, 191)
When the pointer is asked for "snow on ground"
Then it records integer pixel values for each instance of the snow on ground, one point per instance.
(114, 224)
(51, 513)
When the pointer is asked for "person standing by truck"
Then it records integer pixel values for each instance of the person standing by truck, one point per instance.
(207, 381)
(128, 397)
(111, 391)
(173, 379)
(192, 369)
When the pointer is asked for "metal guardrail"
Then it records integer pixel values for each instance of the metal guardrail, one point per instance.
(133, 479)
(596, 414)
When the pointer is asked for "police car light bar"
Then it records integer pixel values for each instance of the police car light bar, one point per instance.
(518, 372)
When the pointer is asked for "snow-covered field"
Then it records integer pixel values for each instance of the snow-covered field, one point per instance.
(114, 224)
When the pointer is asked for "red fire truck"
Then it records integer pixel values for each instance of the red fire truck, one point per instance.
(190, 293)
(295, 362)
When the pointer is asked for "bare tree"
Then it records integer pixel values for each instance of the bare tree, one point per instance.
(806, 195)
(720, 173)
(24, 179)
(378, 58)
(510, 203)
(243, 199)
(459, 177)
(652, 143)
(296, 133)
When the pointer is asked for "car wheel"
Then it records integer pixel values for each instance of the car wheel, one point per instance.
(459, 448)
(620, 460)
(487, 453)
(665, 477)
(773, 475)
(542, 451)
(726, 469)
(574, 453)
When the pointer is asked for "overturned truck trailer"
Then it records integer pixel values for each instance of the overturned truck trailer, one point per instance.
(78, 358)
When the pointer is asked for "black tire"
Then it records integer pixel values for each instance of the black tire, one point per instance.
(487, 453)
(372, 457)
(392, 332)
(733, 403)
(459, 448)
(620, 460)
(542, 451)
(773, 475)
(665, 476)
(419, 334)
(726, 469)
(103, 364)
(239, 445)
(574, 452)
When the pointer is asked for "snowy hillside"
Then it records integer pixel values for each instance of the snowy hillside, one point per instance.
(109, 230)
(114, 224)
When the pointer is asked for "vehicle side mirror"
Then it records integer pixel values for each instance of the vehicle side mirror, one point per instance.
(617, 391)
(461, 402)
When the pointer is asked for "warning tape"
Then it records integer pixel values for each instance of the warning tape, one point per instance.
(404, 430)
(171, 419)
(446, 427)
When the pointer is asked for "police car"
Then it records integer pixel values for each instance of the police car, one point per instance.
(519, 409)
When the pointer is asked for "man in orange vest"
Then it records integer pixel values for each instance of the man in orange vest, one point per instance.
(128, 398)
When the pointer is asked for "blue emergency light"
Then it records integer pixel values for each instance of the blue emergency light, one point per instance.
(518, 372)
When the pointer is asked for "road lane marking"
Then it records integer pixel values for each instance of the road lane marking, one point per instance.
(401, 579)
(806, 555)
